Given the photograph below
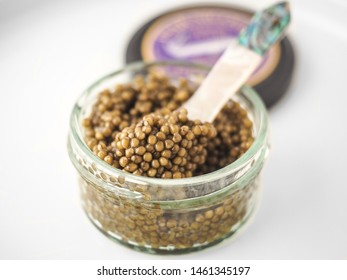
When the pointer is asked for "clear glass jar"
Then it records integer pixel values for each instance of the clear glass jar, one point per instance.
(168, 215)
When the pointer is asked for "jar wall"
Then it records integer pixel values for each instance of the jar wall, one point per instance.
(149, 227)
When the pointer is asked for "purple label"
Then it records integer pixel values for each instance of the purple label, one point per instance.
(197, 35)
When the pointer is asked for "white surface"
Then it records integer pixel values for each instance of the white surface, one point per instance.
(51, 51)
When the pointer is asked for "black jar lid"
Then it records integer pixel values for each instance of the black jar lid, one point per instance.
(200, 34)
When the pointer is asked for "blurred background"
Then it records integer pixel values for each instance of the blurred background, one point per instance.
(50, 51)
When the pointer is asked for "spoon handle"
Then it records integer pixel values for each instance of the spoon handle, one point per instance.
(265, 28)
(238, 62)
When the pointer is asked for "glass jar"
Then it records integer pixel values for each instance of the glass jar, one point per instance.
(168, 215)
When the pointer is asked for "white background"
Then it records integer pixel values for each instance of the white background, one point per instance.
(50, 51)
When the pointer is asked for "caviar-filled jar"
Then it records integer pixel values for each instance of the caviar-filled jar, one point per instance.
(168, 215)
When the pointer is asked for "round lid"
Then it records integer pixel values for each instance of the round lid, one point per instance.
(200, 34)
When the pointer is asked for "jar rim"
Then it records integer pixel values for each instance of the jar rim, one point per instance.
(249, 92)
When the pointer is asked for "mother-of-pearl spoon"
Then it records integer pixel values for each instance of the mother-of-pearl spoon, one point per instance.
(238, 62)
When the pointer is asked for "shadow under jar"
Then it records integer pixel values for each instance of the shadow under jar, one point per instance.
(168, 215)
